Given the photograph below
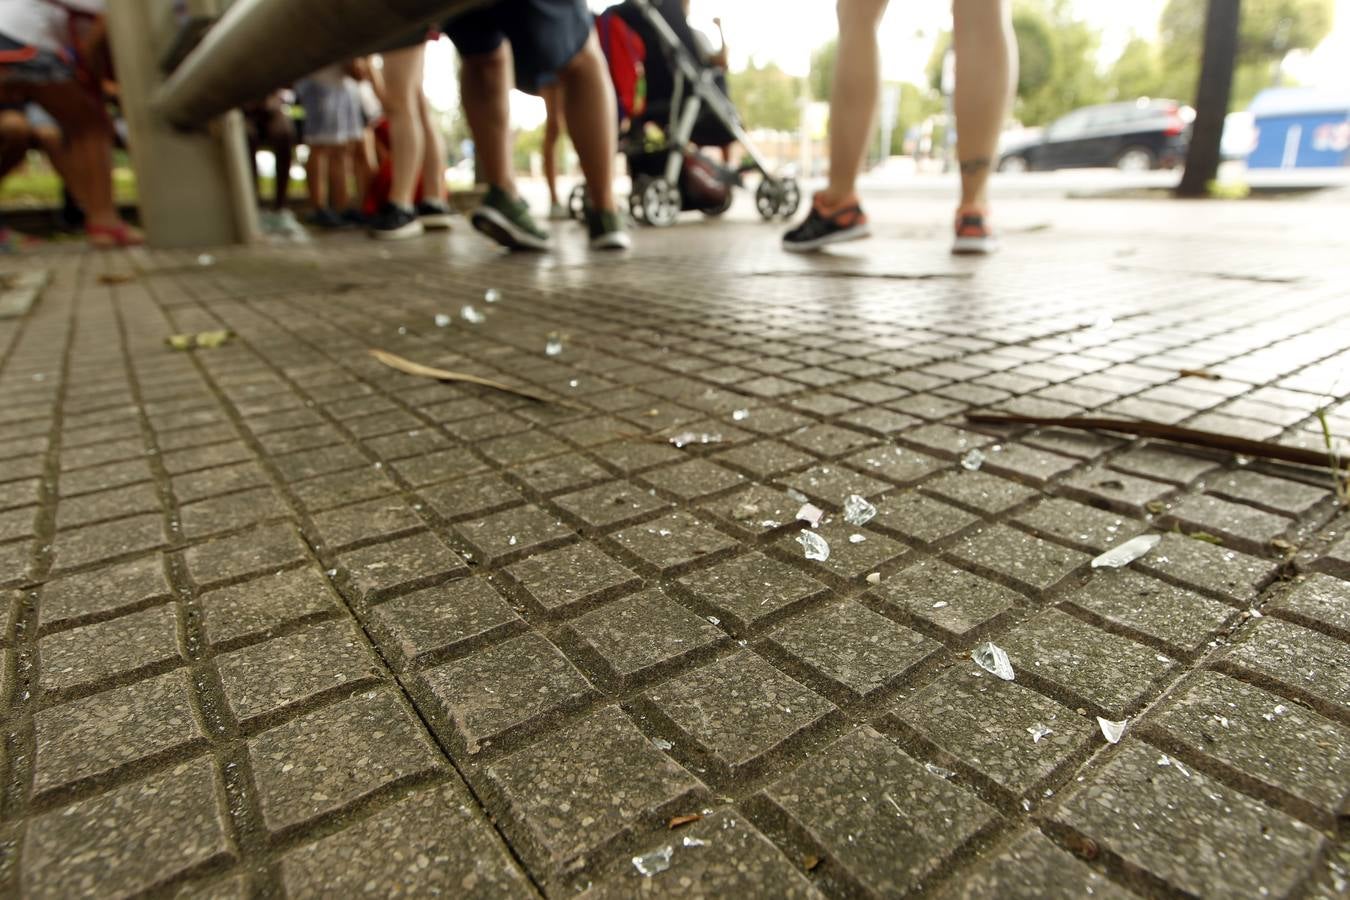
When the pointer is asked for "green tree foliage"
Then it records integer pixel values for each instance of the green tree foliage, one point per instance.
(1137, 73)
(766, 97)
(1268, 30)
(821, 78)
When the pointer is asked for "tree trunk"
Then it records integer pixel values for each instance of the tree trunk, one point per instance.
(1211, 98)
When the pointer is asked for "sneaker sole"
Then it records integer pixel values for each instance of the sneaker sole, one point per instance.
(614, 240)
(436, 221)
(974, 246)
(856, 233)
(496, 226)
(410, 230)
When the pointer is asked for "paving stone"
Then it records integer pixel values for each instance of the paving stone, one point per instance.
(919, 517)
(1102, 668)
(1306, 660)
(97, 735)
(1234, 576)
(433, 842)
(1280, 495)
(493, 691)
(1031, 562)
(1026, 463)
(381, 569)
(309, 463)
(986, 723)
(603, 772)
(571, 575)
(634, 456)
(673, 541)
(83, 657)
(740, 709)
(522, 447)
(979, 491)
(101, 591)
(1108, 489)
(96, 478)
(441, 617)
(121, 537)
(1180, 618)
(73, 512)
(130, 839)
(1317, 601)
(1162, 463)
(475, 495)
(1031, 868)
(269, 547)
(732, 859)
(210, 456)
(765, 459)
(854, 647)
(750, 588)
(639, 634)
(1294, 750)
(1243, 526)
(343, 489)
(849, 559)
(254, 608)
(693, 479)
(898, 464)
(952, 600)
(830, 485)
(403, 444)
(1085, 527)
(1195, 833)
(372, 520)
(878, 812)
(756, 510)
(325, 759)
(264, 678)
(18, 493)
(522, 529)
(610, 504)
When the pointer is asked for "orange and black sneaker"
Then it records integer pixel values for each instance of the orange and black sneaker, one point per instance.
(973, 236)
(823, 226)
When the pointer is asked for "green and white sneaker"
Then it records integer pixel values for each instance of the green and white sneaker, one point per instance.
(507, 221)
(607, 230)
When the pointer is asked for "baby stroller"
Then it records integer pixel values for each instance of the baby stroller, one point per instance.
(682, 98)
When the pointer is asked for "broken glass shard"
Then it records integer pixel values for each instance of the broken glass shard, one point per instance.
(469, 314)
(856, 538)
(815, 545)
(874, 578)
(553, 347)
(810, 514)
(857, 511)
(685, 438)
(973, 459)
(653, 863)
(206, 259)
(663, 744)
(993, 659)
(491, 295)
(1127, 552)
(1111, 730)
(939, 771)
(443, 320)
(740, 415)
(1039, 731)
(694, 842)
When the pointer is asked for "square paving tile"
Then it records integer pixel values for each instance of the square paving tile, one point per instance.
(512, 532)
(673, 541)
(577, 573)
(267, 548)
(950, 599)
(1030, 562)
(102, 591)
(267, 677)
(638, 634)
(83, 657)
(442, 617)
(382, 569)
(749, 588)
(1183, 619)
(610, 504)
(254, 608)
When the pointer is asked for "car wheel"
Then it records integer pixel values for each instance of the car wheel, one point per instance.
(1013, 165)
(1135, 159)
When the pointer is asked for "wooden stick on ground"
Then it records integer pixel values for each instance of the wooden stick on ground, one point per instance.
(1174, 433)
(394, 361)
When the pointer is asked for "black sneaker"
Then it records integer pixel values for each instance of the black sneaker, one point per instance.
(325, 218)
(434, 214)
(507, 221)
(607, 231)
(848, 223)
(353, 217)
(394, 222)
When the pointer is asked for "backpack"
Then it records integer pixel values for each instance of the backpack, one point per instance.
(626, 54)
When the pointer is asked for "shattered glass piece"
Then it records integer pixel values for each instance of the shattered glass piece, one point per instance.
(797, 495)
(1166, 760)
(810, 514)
(206, 259)
(973, 459)
(1277, 711)
(553, 347)
(856, 538)
(663, 744)
(1039, 731)
(941, 604)
(714, 620)
(815, 545)
(939, 771)
(1112, 730)
(511, 540)
(694, 842)
(653, 863)
(857, 511)
(993, 659)
(874, 578)
(768, 523)
(1127, 552)
(491, 295)
(740, 415)
(443, 320)
(685, 438)
(470, 314)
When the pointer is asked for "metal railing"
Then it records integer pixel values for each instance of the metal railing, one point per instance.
(260, 45)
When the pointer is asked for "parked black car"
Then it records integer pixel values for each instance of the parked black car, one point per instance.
(1132, 137)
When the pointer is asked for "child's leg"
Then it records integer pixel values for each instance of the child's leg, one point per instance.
(485, 83)
(402, 107)
(588, 101)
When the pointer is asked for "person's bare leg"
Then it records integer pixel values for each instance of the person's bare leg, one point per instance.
(986, 76)
(340, 162)
(363, 163)
(433, 151)
(89, 138)
(402, 107)
(588, 102)
(485, 83)
(553, 129)
(316, 176)
(853, 96)
(15, 138)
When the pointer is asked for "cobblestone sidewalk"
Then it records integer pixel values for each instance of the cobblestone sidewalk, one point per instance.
(279, 620)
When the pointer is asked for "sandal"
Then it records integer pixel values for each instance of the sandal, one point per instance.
(104, 237)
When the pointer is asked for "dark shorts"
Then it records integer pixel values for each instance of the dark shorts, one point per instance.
(544, 36)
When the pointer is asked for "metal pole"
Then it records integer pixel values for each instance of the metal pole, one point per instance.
(260, 45)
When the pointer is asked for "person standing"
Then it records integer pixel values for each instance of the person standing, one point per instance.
(333, 129)
(986, 66)
(555, 126)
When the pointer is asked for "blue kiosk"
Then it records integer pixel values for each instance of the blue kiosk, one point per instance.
(1300, 128)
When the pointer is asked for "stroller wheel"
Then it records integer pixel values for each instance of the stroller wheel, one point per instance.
(661, 202)
(635, 208)
(576, 202)
(791, 198)
(767, 199)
